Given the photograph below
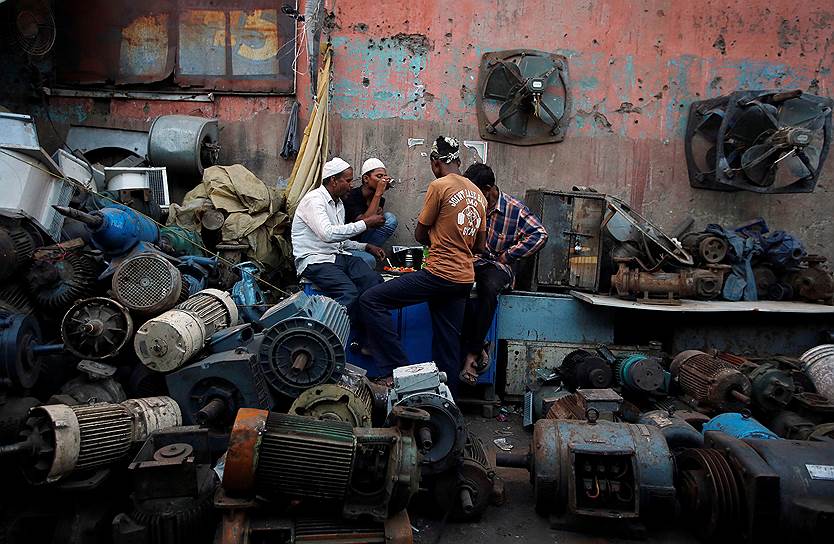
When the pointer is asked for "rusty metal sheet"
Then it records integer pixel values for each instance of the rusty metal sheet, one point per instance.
(225, 45)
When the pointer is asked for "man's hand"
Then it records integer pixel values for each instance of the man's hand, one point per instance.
(376, 251)
(382, 185)
(373, 221)
(503, 258)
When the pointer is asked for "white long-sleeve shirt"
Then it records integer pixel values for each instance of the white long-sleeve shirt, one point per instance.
(319, 232)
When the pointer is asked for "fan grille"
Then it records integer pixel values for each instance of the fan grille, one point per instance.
(147, 281)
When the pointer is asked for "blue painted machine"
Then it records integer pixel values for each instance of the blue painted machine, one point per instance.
(739, 425)
(115, 230)
(247, 293)
(638, 373)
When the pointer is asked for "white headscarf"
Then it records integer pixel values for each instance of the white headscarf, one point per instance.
(371, 164)
(334, 166)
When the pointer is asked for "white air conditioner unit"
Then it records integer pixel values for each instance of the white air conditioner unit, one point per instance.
(32, 183)
(153, 178)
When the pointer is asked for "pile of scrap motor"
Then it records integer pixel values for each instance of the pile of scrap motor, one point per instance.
(733, 448)
(745, 262)
(156, 387)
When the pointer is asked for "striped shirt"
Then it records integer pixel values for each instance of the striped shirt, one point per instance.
(512, 231)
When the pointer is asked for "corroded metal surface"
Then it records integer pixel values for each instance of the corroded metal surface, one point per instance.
(242, 454)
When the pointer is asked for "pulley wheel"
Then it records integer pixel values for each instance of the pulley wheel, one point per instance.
(713, 249)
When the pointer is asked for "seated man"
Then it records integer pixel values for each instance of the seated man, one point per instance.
(513, 232)
(321, 241)
(367, 200)
(452, 223)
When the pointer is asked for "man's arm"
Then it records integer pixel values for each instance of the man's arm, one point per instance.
(421, 234)
(480, 243)
(530, 238)
(314, 215)
(374, 207)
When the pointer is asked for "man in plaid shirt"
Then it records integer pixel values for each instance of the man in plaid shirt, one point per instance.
(513, 232)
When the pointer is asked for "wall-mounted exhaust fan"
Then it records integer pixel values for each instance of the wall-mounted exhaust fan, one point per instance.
(32, 26)
(761, 141)
(523, 97)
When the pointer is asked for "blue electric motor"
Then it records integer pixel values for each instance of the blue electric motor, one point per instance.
(639, 373)
(115, 230)
(740, 426)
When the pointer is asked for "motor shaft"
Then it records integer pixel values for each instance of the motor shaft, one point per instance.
(93, 221)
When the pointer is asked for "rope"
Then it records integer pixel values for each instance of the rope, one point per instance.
(85, 189)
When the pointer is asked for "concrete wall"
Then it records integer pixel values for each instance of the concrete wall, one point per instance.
(409, 70)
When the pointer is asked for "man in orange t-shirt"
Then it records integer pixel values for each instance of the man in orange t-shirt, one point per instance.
(453, 224)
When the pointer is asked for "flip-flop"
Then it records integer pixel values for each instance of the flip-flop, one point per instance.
(468, 378)
(481, 364)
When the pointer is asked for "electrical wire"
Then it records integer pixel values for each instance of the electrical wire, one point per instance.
(82, 188)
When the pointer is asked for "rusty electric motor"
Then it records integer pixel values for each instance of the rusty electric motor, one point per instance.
(713, 384)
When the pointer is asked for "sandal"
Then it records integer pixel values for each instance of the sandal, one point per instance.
(468, 378)
(481, 364)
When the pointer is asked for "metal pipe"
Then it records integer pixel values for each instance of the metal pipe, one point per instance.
(466, 500)
(94, 221)
(425, 438)
(212, 411)
(47, 349)
(13, 449)
(512, 460)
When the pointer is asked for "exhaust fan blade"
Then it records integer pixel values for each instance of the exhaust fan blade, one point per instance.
(556, 105)
(757, 162)
(533, 66)
(502, 79)
(515, 121)
(753, 122)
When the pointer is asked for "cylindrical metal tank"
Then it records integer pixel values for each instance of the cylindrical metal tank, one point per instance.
(147, 284)
(819, 367)
(168, 341)
(711, 382)
(678, 433)
(740, 426)
(572, 461)
(308, 349)
(185, 144)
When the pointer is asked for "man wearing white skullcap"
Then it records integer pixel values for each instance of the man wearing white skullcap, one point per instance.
(321, 241)
(367, 200)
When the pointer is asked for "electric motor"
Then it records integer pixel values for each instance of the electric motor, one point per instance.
(308, 349)
(442, 438)
(711, 383)
(348, 402)
(173, 490)
(19, 337)
(676, 430)
(96, 384)
(598, 470)
(15, 299)
(147, 284)
(167, 342)
(96, 328)
(60, 439)
(17, 243)
(638, 373)
(582, 369)
(465, 493)
(116, 229)
(739, 426)
(819, 367)
(56, 282)
(758, 490)
(360, 471)
(211, 390)
(602, 403)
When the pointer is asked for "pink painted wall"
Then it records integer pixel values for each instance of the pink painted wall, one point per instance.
(409, 70)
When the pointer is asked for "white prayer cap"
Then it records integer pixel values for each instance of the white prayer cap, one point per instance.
(371, 164)
(334, 166)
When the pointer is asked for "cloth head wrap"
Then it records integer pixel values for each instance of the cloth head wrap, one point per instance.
(445, 149)
(334, 166)
(371, 164)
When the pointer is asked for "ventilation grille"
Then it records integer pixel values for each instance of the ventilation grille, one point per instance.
(302, 457)
(146, 281)
(106, 430)
(54, 223)
(158, 182)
